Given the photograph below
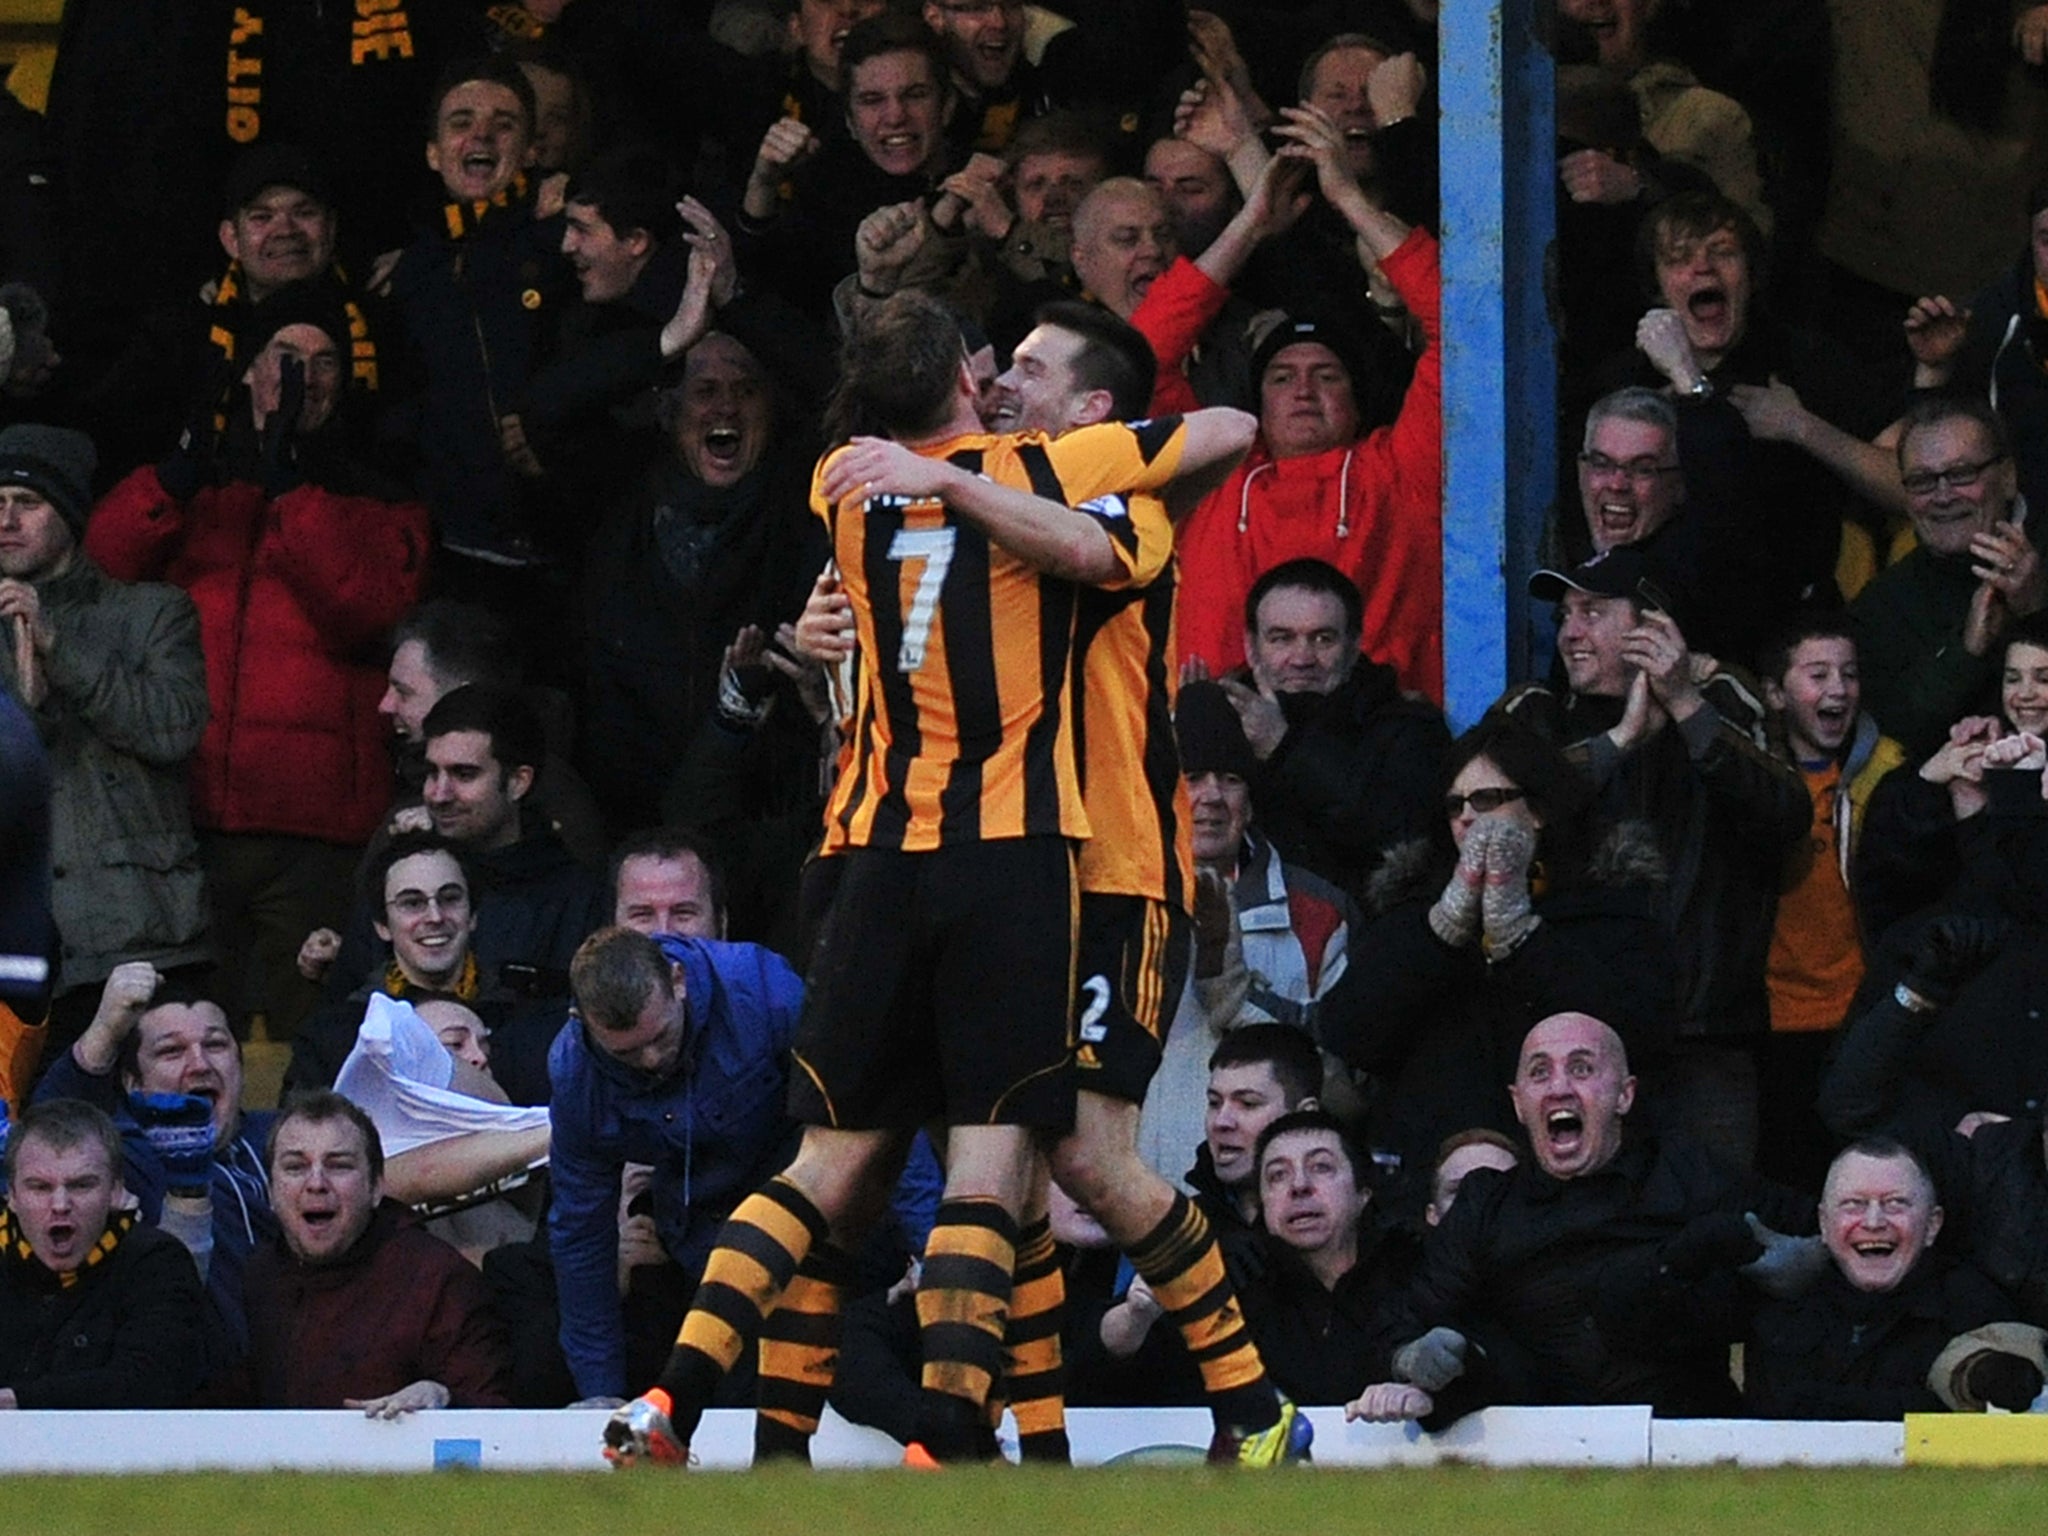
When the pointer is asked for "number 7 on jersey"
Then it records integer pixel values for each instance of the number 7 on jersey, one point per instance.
(934, 548)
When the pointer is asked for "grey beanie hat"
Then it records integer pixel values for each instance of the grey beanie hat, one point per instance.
(56, 463)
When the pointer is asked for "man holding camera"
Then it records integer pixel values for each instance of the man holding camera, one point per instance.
(299, 559)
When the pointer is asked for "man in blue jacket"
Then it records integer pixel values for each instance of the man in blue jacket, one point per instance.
(677, 1056)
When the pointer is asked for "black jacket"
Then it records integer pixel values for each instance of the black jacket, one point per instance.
(1355, 774)
(183, 362)
(671, 577)
(1441, 1028)
(1994, 1192)
(1907, 857)
(2002, 352)
(131, 1333)
(1985, 1048)
(1568, 1277)
(1114, 57)
(1840, 1353)
(1780, 508)
(1724, 812)
(807, 246)
(1326, 1346)
(477, 296)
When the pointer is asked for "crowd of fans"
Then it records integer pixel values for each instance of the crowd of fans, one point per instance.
(403, 564)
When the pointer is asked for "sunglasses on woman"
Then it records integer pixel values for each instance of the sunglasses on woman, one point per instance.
(1484, 802)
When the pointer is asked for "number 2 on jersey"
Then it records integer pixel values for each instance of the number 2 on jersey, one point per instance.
(934, 548)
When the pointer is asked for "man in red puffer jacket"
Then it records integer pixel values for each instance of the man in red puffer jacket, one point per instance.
(299, 563)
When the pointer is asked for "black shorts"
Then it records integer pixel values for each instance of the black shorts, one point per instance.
(1134, 962)
(942, 987)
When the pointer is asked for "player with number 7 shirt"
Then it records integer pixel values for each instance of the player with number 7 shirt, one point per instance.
(941, 984)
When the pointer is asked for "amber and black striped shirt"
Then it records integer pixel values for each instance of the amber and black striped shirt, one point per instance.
(962, 727)
(1141, 841)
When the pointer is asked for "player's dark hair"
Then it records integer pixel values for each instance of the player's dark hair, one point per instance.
(1363, 1169)
(1694, 216)
(1886, 1149)
(62, 1124)
(897, 371)
(631, 186)
(1337, 44)
(495, 68)
(893, 31)
(1937, 406)
(1477, 1136)
(464, 643)
(1069, 131)
(406, 845)
(2029, 630)
(1114, 355)
(1775, 654)
(1552, 786)
(518, 739)
(614, 974)
(173, 992)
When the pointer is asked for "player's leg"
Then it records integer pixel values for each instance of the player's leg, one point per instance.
(759, 1250)
(1002, 998)
(799, 1339)
(1134, 963)
(963, 1297)
(857, 1076)
(1034, 1365)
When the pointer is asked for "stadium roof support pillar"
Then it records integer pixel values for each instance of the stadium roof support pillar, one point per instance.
(1500, 376)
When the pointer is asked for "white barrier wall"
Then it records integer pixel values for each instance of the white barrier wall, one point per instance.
(568, 1440)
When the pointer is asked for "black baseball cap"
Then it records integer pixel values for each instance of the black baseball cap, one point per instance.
(1627, 570)
(263, 166)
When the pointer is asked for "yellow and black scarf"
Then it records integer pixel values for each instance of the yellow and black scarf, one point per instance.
(362, 347)
(466, 987)
(15, 1247)
(464, 219)
(381, 31)
(516, 24)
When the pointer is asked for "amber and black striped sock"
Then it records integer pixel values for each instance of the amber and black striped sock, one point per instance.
(799, 1352)
(1034, 1370)
(1180, 1261)
(963, 1301)
(758, 1252)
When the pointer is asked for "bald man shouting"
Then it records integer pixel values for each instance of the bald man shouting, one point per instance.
(1613, 1266)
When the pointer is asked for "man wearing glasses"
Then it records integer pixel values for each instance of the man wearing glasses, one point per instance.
(1928, 627)
(1704, 538)
(1630, 483)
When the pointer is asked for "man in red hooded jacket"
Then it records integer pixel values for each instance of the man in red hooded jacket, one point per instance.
(1321, 482)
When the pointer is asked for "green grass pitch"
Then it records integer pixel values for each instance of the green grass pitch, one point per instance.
(1035, 1502)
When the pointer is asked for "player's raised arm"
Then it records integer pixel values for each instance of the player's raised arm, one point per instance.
(1217, 438)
